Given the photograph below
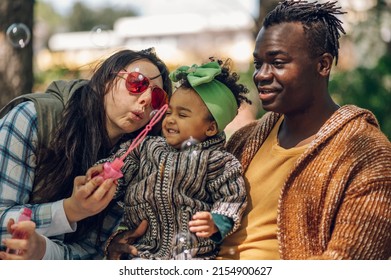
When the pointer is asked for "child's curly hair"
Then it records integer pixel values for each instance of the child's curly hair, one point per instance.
(228, 78)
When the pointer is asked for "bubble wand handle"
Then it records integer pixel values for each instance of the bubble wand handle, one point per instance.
(25, 215)
(113, 169)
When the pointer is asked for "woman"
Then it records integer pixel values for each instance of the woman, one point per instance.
(45, 145)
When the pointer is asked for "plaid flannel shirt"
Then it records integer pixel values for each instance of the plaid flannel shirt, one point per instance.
(18, 139)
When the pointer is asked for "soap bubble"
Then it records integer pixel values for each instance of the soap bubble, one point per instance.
(100, 36)
(153, 112)
(232, 251)
(184, 246)
(189, 143)
(19, 35)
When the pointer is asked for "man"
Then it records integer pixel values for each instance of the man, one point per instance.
(318, 175)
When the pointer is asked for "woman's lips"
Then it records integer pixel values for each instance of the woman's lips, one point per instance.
(137, 116)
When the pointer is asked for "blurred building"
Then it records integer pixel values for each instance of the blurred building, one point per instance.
(178, 38)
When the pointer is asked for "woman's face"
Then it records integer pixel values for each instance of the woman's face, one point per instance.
(127, 112)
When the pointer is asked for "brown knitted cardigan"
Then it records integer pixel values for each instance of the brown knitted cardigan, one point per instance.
(336, 202)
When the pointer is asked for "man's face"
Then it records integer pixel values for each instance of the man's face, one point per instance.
(285, 73)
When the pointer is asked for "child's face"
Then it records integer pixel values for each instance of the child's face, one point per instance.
(187, 116)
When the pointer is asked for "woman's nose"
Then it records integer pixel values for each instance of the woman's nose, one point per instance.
(145, 98)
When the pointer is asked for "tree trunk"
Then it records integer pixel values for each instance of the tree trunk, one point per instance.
(16, 61)
(265, 6)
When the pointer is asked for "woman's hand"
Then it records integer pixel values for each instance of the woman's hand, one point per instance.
(202, 224)
(91, 194)
(121, 243)
(33, 247)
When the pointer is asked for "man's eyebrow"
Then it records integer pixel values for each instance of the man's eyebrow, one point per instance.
(276, 52)
(272, 53)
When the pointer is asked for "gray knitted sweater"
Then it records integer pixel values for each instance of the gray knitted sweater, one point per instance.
(167, 187)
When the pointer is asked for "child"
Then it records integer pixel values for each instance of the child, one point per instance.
(192, 197)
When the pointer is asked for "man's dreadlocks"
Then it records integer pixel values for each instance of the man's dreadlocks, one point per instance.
(321, 26)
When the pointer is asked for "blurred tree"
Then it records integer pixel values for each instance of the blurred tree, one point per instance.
(265, 6)
(383, 11)
(16, 61)
(367, 88)
(46, 22)
(368, 85)
(83, 18)
(370, 31)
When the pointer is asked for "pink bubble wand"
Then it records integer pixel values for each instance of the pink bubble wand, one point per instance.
(113, 169)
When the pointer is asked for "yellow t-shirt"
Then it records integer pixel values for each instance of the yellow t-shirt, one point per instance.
(265, 176)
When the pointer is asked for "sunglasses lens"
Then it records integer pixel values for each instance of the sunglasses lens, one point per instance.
(159, 98)
(136, 82)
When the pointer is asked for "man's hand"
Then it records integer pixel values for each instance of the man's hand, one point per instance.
(121, 244)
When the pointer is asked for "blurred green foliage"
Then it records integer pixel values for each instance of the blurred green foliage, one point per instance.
(42, 79)
(246, 78)
(369, 88)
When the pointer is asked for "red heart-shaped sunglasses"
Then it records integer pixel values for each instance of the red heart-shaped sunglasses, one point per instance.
(136, 83)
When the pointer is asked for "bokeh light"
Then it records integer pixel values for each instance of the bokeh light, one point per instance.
(100, 36)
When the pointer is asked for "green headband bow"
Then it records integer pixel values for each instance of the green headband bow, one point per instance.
(217, 97)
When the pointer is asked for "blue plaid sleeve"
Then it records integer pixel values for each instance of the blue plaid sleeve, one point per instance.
(18, 141)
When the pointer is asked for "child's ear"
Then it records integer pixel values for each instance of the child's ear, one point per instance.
(212, 129)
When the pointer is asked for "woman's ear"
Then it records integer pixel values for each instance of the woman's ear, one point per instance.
(212, 129)
(325, 63)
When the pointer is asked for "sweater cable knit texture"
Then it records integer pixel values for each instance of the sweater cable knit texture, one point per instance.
(336, 202)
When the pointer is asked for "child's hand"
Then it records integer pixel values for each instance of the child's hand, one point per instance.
(202, 224)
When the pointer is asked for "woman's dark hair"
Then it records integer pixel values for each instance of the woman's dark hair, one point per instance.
(81, 138)
(321, 26)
